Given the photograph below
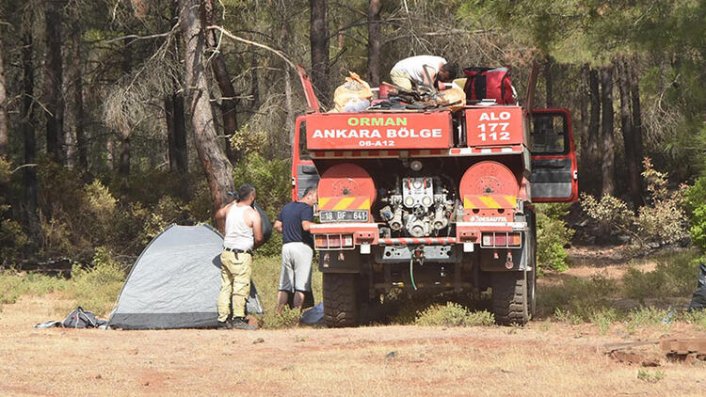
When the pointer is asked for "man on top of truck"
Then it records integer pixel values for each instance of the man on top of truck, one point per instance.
(427, 70)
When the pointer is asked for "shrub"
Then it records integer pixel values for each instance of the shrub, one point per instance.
(650, 377)
(13, 239)
(452, 315)
(97, 288)
(662, 220)
(14, 284)
(674, 276)
(603, 319)
(696, 318)
(647, 317)
(696, 202)
(578, 297)
(552, 236)
(612, 215)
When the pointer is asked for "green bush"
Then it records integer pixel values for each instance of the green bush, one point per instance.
(14, 285)
(552, 236)
(603, 319)
(578, 297)
(646, 317)
(611, 215)
(453, 315)
(696, 202)
(662, 220)
(674, 276)
(97, 288)
(697, 318)
(13, 239)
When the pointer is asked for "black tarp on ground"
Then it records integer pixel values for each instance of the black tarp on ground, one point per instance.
(175, 282)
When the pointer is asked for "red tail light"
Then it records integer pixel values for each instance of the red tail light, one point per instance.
(501, 240)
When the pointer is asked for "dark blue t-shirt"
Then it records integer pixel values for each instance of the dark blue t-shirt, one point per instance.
(291, 217)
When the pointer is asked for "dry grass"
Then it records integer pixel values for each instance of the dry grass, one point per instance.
(562, 354)
(543, 359)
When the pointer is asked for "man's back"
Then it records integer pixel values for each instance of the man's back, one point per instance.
(291, 217)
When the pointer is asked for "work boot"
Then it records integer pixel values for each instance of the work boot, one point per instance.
(225, 325)
(241, 323)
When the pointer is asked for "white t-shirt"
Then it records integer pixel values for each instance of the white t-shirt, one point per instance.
(414, 66)
(238, 234)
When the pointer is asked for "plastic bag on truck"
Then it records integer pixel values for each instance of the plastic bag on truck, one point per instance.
(352, 96)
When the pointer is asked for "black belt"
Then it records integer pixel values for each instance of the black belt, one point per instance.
(237, 251)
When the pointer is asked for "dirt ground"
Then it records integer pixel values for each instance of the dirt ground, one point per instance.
(541, 359)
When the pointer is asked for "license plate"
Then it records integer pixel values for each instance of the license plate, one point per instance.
(343, 216)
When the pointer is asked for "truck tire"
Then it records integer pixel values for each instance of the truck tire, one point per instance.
(510, 297)
(340, 300)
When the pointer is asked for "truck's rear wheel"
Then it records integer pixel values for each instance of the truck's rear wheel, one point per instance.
(510, 297)
(340, 300)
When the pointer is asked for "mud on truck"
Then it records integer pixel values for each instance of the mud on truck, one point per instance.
(438, 199)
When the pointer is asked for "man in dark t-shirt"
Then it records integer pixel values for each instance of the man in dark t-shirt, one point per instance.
(294, 222)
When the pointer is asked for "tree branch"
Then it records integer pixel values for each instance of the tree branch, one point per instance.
(254, 43)
(136, 37)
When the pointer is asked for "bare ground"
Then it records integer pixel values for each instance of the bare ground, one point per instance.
(541, 359)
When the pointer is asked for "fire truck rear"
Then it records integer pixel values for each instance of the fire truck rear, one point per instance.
(438, 199)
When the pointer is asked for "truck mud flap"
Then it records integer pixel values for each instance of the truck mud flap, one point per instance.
(503, 260)
(344, 261)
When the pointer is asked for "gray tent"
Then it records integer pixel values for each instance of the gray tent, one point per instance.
(175, 282)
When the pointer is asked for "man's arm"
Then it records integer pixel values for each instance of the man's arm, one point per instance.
(307, 218)
(429, 75)
(278, 225)
(221, 217)
(257, 228)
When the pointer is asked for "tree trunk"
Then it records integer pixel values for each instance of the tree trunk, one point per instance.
(219, 171)
(29, 173)
(636, 142)
(632, 163)
(75, 138)
(176, 128)
(548, 82)
(4, 134)
(228, 95)
(584, 95)
(290, 108)
(123, 159)
(374, 42)
(318, 35)
(607, 138)
(54, 82)
(590, 154)
(176, 120)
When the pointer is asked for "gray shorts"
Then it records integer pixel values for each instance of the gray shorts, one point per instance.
(296, 267)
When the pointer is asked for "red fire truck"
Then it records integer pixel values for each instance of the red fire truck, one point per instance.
(439, 199)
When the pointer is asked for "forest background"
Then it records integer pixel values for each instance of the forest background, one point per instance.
(120, 117)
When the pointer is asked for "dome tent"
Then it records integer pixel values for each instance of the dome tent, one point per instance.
(175, 282)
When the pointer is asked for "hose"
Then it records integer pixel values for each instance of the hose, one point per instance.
(411, 273)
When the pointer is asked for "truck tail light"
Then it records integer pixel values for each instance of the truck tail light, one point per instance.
(333, 241)
(501, 240)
